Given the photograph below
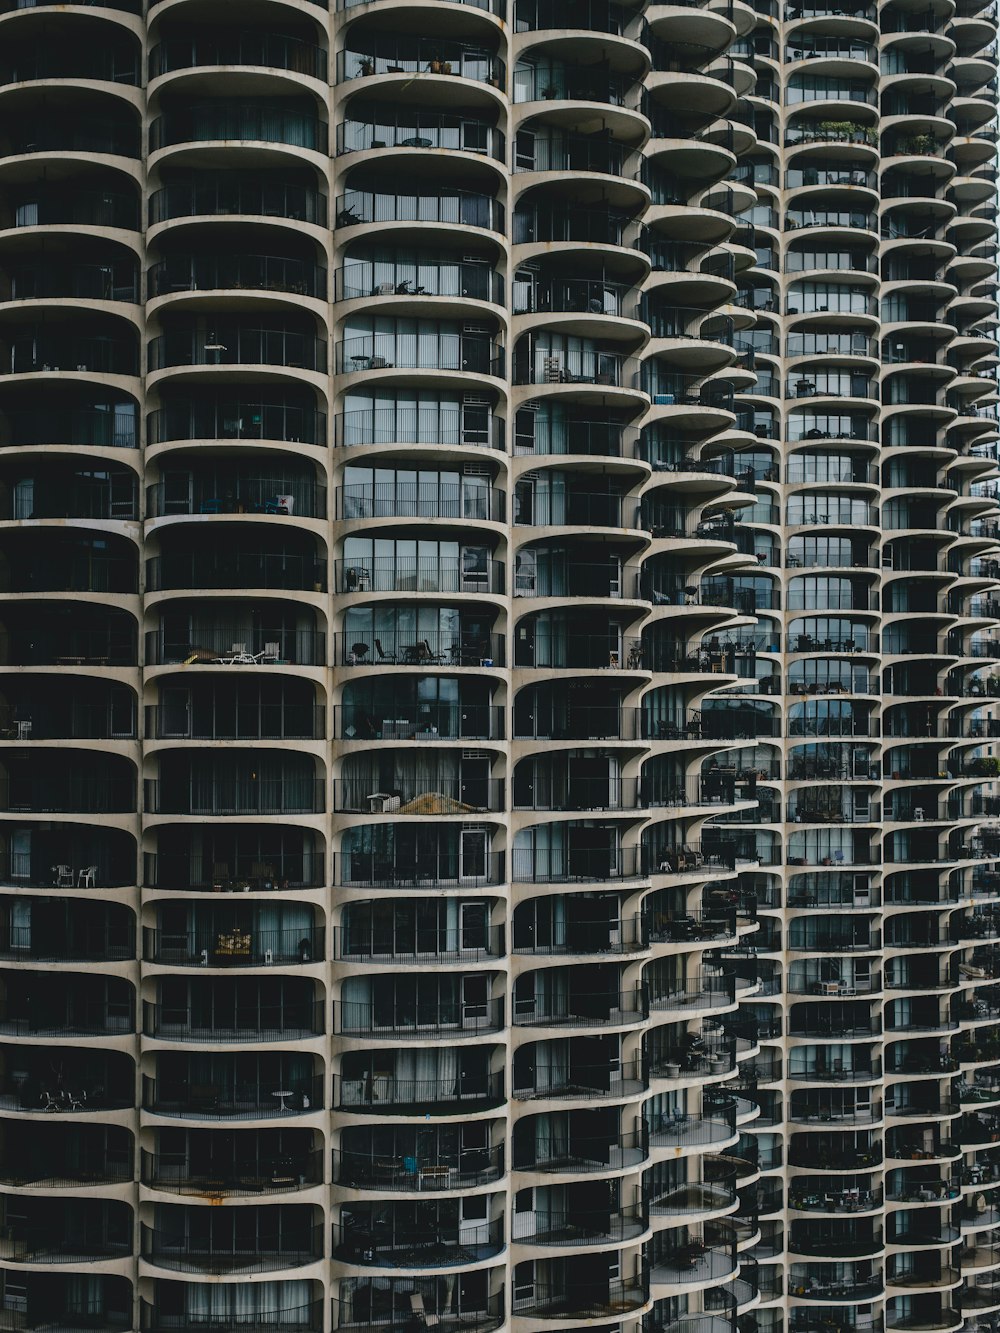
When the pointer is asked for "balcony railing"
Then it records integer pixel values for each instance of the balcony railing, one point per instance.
(581, 1082)
(475, 1313)
(471, 353)
(281, 721)
(239, 644)
(465, 208)
(298, 1319)
(264, 123)
(442, 1169)
(36, 793)
(94, 133)
(269, 273)
(352, 1018)
(236, 419)
(116, 280)
(396, 1096)
(600, 1009)
(294, 1248)
(440, 1244)
(581, 1300)
(280, 1174)
(235, 493)
(212, 195)
(378, 870)
(269, 50)
(233, 1100)
(81, 1018)
(371, 942)
(584, 864)
(403, 648)
(247, 796)
(400, 277)
(99, 354)
(418, 796)
(388, 54)
(417, 721)
(443, 574)
(223, 568)
(243, 346)
(235, 947)
(383, 129)
(291, 1021)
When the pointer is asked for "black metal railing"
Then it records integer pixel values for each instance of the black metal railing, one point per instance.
(234, 947)
(252, 795)
(294, 1248)
(233, 1099)
(292, 1020)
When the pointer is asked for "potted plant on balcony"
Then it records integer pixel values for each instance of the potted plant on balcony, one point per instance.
(366, 65)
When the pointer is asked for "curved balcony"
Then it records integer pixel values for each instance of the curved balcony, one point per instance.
(237, 345)
(227, 1098)
(385, 128)
(374, 54)
(236, 272)
(405, 1240)
(231, 1177)
(442, 1168)
(221, 417)
(239, 121)
(294, 1018)
(229, 194)
(449, 350)
(289, 1244)
(234, 946)
(83, 130)
(265, 50)
(94, 353)
(284, 569)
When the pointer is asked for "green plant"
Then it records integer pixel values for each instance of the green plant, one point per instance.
(985, 766)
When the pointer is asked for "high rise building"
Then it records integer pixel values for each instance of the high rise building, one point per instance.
(498, 667)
